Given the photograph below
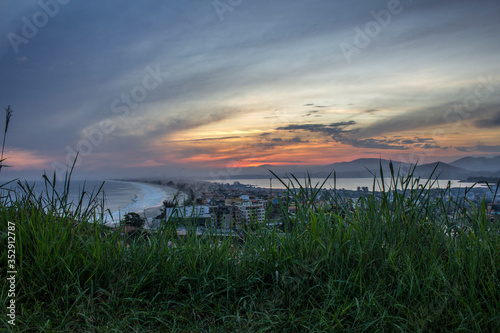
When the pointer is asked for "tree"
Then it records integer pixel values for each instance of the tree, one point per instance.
(166, 204)
(169, 204)
(134, 220)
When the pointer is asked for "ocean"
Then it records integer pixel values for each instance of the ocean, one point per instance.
(120, 197)
(351, 184)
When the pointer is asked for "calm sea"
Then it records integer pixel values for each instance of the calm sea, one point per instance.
(341, 183)
(120, 197)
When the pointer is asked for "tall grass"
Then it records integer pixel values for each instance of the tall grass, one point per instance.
(399, 259)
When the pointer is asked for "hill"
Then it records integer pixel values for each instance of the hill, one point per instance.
(367, 167)
(443, 170)
(483, 164)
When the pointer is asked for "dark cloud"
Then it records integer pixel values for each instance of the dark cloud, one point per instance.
(334, 130)
(65, 79)
(338, 133)
(414, 140)
(489, 122)
(297, 140)
(318, 127)
(275, 142)
(216, 139)
(373, 144)
(431, 116)
(431, 146)
(480, 148)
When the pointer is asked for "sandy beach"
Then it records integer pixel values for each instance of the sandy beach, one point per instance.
(152, 211)
(149, 200)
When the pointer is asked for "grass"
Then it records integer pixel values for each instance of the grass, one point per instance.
(400, 259)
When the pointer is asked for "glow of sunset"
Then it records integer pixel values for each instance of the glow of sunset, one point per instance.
(169, 88)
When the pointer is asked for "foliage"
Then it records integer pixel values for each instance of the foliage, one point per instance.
(395, 260)
(133, 220)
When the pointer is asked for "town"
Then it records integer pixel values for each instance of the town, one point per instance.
(226, 209)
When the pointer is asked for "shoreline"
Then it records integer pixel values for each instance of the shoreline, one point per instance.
(152, 211)
(349, 184)
(145, 209)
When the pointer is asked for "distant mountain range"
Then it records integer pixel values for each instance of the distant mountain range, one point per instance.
(462, 168)
(478, 163)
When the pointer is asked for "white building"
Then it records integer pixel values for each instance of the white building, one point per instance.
(247, 212)
(188, 212)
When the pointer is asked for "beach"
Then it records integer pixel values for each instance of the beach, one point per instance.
(147, 201)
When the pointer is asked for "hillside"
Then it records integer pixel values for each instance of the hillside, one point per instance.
(367, 167)
(443, 170)
(322, 270)
(483, 164)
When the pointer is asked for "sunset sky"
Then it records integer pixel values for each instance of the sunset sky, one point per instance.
(159, 87)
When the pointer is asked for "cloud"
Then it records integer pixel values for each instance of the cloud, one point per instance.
(414, 140)
(335, 130)
(216, 139)
(297, 140)
(338, 132)
(264, 55)
(426, 117)
(282, 142)
(480, 148)
(373, 144)
(489, 122)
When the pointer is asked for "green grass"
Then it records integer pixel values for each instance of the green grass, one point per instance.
(396, 260)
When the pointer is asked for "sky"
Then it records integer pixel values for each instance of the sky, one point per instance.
(172, 87)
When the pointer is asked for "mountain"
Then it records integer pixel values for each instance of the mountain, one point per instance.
(483, 164)
(372, 164)
(442, 171)
(367, 167)
(364, 167)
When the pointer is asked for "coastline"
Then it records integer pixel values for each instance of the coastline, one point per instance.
(150, 199)
(349, 184)
(152, 211)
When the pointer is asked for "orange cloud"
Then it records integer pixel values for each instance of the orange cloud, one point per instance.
(25, 160)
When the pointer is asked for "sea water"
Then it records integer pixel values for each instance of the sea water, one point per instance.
(351, 184)
(120, 197)
(124, 197)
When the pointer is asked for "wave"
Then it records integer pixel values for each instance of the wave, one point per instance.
(147, 196)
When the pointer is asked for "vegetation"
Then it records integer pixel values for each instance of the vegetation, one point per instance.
(399, 260)
(133, 220)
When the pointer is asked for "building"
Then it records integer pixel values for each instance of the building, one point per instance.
(199, 215)
(248, 212)
(222, 216)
